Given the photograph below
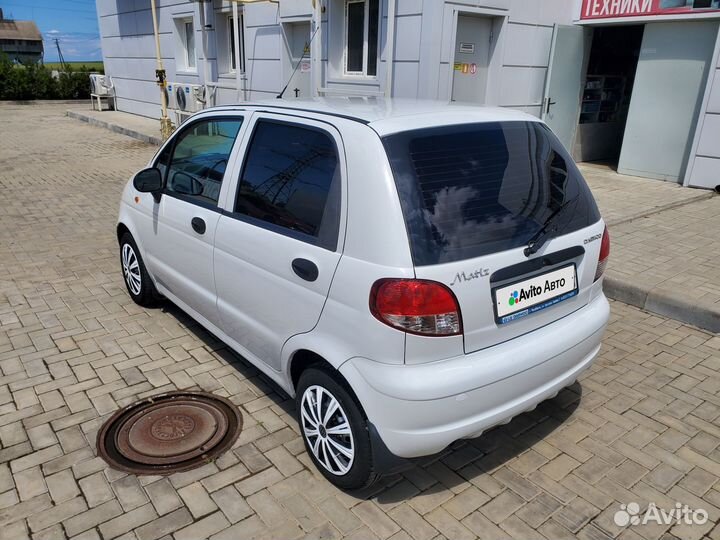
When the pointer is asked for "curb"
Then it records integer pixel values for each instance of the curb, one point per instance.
(705, 194)
(663, 302)
(149, 139)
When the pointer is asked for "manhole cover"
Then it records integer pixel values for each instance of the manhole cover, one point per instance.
(169, 433)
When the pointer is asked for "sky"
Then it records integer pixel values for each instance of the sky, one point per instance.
(73, 22)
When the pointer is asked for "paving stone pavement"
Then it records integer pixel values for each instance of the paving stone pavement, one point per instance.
(640, 426)
(669, 263)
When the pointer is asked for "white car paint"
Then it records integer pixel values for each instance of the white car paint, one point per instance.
(421, 393)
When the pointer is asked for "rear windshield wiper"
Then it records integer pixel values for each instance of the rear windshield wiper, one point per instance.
(539, 238)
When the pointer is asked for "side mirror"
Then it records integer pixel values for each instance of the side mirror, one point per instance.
(185, 184)
(148, 181)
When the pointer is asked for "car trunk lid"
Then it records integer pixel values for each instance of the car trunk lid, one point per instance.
(473, 197)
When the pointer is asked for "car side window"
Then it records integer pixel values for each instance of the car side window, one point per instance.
(291, 182)
(199, 159)
(163, 159)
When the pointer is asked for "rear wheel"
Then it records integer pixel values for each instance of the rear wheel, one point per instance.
(137, 280)
(334, 429)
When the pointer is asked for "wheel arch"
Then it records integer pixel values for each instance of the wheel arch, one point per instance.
(303, 359)
(385, 462)
(121, 229)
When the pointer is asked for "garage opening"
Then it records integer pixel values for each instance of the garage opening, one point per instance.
(606, 92)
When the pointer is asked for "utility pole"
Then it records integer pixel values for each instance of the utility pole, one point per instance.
(63, 65)
(166, 127)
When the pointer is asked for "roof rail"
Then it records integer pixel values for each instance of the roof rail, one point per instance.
(261, 106)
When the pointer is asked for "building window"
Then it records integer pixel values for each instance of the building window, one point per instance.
(231, 42)
(362, 20)
(191, 59)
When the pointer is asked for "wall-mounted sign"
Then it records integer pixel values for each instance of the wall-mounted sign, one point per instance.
(304, 67)
(465, 68)
(473, 69)
(609, 9)
(467, 48)
(457, 66)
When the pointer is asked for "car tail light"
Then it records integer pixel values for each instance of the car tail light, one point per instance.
(416, 306)
(604, 254)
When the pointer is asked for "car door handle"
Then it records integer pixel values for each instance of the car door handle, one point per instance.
(198, 225)
(305, 269)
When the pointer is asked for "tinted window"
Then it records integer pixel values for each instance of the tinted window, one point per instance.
(355, 35)
(163, 159)
(291, 179)
(200, 158)
(374, 13)
(475, 189)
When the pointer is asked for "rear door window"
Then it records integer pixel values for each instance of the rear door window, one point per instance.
(290, 182)
(474, 189)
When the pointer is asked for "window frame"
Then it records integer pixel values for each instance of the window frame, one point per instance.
(186, 44)
(182, 51)
(172, 144)
(230, 30)
(366, 33)
(298, 122)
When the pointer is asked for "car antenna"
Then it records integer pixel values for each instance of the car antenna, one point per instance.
(280, 95)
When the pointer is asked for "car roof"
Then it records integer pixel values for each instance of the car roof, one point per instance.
(390, 115)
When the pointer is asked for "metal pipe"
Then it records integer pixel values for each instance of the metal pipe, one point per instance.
(390, 55)
(316, 49)
(236, 33)
(206, 62)
(165, 123)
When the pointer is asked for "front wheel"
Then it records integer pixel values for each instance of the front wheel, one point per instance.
(141, 288)
(335, 430)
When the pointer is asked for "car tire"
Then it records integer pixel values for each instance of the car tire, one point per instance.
(137, 280)
(345, 456)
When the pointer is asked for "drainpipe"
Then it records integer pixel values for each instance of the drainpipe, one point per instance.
(390, 56)
(166, 127)
(236, 33)
(206, 62)
(316, 48)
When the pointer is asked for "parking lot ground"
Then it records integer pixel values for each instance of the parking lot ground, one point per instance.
(665, 254)
(641, 426)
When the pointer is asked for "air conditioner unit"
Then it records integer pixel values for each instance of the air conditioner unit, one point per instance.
(170, 95)
(188, 98)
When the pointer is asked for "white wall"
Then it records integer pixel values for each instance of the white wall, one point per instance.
(422, 60)
(704, 166)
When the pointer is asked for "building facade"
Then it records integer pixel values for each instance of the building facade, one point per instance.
(21, 41)
(634, 83)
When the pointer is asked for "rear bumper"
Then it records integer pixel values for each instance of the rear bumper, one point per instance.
(419, 410)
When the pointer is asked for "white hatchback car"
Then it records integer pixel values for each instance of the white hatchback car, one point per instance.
(413, 272)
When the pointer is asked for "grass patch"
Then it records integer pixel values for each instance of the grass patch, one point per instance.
(78, 66)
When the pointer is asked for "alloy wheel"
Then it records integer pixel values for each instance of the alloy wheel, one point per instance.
(327, 430)
(131, 269)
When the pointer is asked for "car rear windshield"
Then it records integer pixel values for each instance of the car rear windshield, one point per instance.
(473, 189)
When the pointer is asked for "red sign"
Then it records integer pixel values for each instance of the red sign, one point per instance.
(609, 9)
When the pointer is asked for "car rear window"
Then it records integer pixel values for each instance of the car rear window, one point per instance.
(473, 189)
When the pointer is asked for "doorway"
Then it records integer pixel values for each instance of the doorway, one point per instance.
(606, 93)
(297, 60)
(671, 78)
(472, 58)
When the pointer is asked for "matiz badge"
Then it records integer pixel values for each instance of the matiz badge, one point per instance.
(462, 276)
(593, 238)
